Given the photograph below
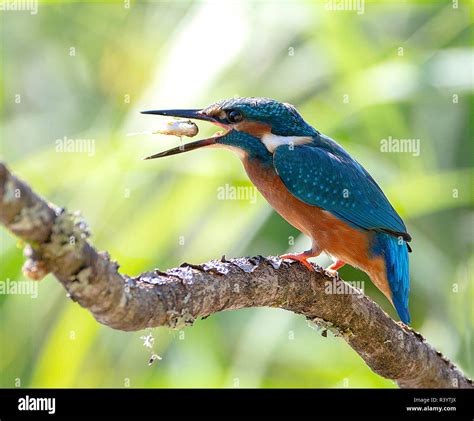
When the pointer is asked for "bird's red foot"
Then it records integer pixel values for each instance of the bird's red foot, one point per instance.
(302, 258)
(335, 266)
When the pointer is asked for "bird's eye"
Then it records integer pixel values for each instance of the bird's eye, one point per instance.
(234, 116)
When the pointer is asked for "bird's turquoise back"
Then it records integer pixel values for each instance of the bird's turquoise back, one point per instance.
(324, 175)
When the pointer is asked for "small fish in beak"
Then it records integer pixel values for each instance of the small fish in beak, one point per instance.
(178, 128)
(189, 114)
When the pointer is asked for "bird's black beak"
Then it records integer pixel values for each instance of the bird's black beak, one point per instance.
(188, 114)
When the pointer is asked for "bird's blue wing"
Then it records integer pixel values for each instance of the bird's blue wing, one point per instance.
(329, 178)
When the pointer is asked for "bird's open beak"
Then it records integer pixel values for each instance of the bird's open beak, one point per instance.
(189, 114)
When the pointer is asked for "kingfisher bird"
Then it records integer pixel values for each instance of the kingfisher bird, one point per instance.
(313, 183)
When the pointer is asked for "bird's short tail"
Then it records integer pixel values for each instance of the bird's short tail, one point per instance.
(395, 253)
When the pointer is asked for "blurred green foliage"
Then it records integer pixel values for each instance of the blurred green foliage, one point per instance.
(83, 70)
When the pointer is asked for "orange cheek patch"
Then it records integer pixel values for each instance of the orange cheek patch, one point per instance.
(253, 128)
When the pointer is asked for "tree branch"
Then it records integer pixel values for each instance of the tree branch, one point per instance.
(58, 243)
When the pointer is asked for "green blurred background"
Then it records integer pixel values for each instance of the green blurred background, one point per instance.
(84, 70)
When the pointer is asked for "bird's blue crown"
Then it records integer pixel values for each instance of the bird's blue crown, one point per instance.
(283, 118)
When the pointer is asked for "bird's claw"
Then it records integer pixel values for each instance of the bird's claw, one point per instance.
(332, 270)
(299, 258)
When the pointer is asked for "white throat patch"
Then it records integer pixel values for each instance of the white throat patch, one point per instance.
(272, 141)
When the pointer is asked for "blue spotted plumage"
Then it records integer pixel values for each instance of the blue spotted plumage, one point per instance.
(321, 173)
(316, 186)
